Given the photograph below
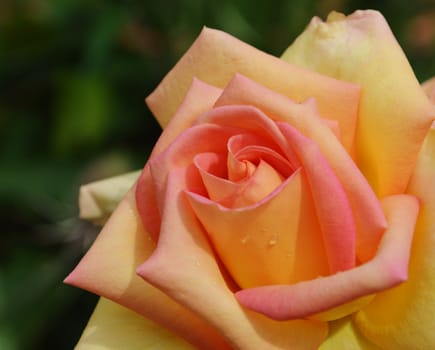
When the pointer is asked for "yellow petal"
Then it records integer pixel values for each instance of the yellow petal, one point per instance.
(403, 318)
(394, 113)
(97, 200)
(216, 56)
(114, 327)
(344, 335)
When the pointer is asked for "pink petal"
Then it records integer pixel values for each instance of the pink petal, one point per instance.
(254, 148)
(218, 187)
(332, 206)
(250, 119)
(198, 139)
(199, 98)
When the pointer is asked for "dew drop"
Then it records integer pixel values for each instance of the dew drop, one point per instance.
(273, 241)
(245, 239)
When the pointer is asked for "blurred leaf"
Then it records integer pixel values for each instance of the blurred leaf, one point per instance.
(84, 113)
(103, 36)
(8, 340)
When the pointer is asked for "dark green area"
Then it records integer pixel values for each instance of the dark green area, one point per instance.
(73, 77)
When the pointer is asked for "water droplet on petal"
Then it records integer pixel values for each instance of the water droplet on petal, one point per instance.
(273, 241)
(245, 239)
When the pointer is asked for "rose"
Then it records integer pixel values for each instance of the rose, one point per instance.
(283, 158)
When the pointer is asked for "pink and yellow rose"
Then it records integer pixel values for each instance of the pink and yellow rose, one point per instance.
(287, 204)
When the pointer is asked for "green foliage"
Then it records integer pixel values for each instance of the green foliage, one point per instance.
(83, 113)
(73, 76)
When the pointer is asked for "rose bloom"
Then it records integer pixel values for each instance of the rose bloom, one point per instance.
(288, 203)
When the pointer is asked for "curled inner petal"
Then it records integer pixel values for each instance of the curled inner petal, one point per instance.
(250, 189)
(276, 239)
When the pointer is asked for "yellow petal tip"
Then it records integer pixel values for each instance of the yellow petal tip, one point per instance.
(335, 16)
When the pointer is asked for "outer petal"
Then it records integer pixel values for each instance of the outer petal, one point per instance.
(388, 269)
(216, 56)
(403, 318)
(99, 199)
(199, 98)
(193, 278)
(394, 114)
(114, 327)
(108, 269)
(344, 335)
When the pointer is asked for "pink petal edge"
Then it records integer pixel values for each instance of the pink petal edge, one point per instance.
(338, 231)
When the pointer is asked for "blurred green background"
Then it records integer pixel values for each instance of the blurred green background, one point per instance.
(73, 77)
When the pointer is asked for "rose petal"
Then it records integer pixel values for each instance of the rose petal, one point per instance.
(277, 239)
(216, 56)
(198, 99)
(344, 309)
(250, 119)
(429, 89)
(394, 114)
(254, 148)
(218, 187)
(262, 182)
(387, 269)
(210, 136)
(108, 269)
(97, 200)
(403, 318)
(193, 278)
(213, 171)
(366, 209)
(113, 327)
(205, 138)
(344, 335)
(335, 215)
